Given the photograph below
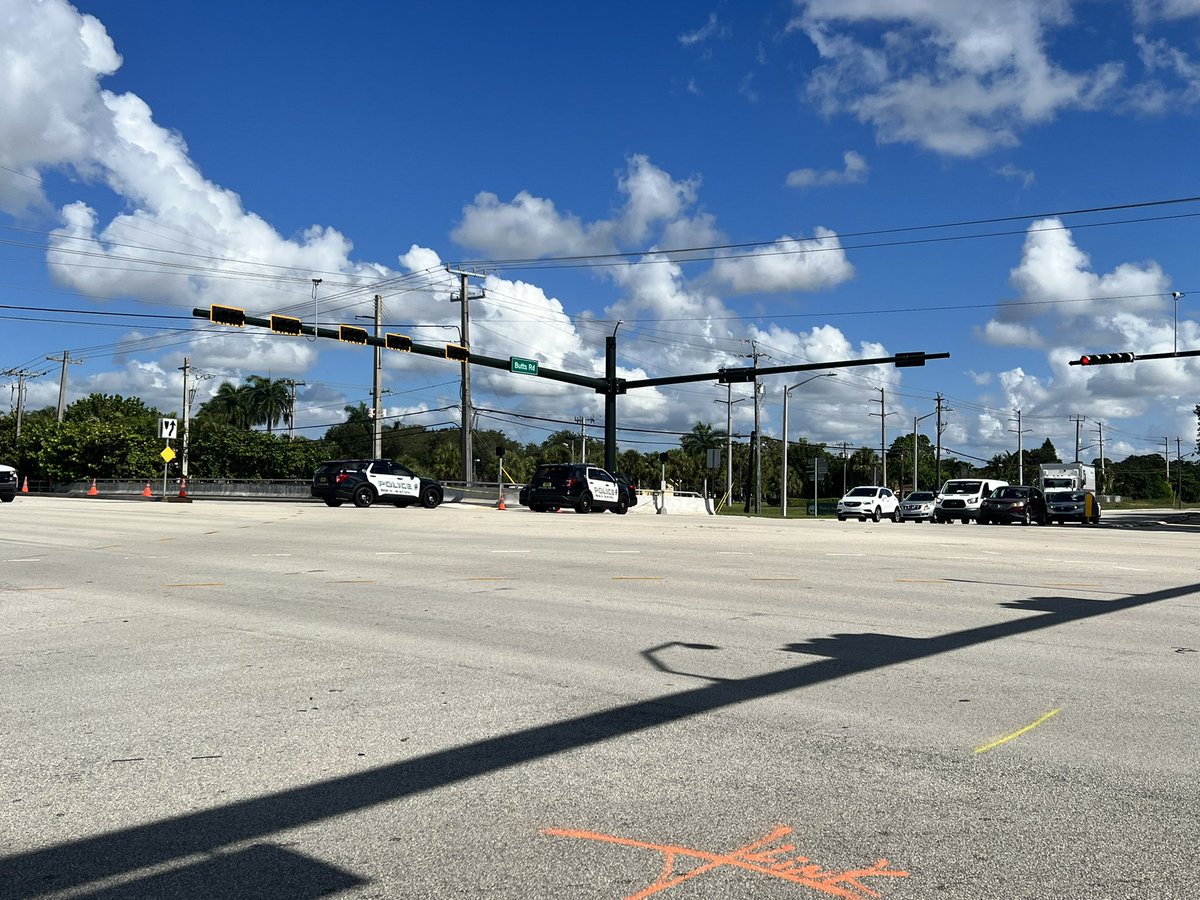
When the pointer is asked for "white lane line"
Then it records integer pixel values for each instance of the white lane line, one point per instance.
(270, 554)
(510, 551)
(622, 551)
(393, 553)
(27, 559)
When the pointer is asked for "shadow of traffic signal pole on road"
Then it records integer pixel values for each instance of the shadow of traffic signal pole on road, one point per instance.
(125, 851)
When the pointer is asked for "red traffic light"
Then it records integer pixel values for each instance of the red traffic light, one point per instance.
(1103, 359)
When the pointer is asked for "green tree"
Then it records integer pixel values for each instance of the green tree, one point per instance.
(231, 405)
(269, 401)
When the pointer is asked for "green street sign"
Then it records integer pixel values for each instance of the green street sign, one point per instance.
(522, 366)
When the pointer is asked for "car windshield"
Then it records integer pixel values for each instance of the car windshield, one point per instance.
(863, 492)
(920, 496)
(1010, 493)
(962, 487)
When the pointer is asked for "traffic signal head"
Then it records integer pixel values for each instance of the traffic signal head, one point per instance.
(1104, 359)
(397, 342)
(285, 325)
(907, 360)
(227, 315)
(352, 334)
(457, 352)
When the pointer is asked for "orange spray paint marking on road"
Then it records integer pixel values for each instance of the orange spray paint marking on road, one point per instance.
(753, 857)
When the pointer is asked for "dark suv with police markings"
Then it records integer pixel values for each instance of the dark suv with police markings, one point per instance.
(365, 481)
(579, 486)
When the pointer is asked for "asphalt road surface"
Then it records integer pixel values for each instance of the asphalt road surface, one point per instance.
(283, 700)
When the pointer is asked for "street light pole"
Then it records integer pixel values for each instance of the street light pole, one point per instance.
(783, 478)
(916, 443)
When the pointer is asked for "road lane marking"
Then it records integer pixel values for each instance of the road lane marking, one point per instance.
(354, 581)
(491, 578)
(1018, 732)
(196, 584)
(510, 551)
(637, 578)
(757, 856)
(921, 581)
(393, 553)
(622, 551)
(270, 554)
(772, 578)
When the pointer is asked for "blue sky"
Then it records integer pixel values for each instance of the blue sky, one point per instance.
(155, 157)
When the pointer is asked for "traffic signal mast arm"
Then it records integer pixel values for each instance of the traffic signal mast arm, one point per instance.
(1104, 359)
(750, 373)
(588, 381)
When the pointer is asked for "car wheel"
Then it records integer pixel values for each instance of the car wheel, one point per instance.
(1026, 518)
(9, 499)
(841, 518)
(622, 506)
(876, 515)
(896, 515)
(333, 502)
(966, 521)
(431, 497)
(585, 503)
(364, 496)
(1096, 517)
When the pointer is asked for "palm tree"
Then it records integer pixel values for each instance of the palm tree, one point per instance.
(702, 437)
(231, 404)
(269, 401)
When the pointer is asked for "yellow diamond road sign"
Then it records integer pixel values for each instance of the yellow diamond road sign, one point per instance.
(168, 454)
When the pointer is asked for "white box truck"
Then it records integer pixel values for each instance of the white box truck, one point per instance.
(1072, 476)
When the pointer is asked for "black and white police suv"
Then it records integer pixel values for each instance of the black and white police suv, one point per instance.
(367, 481)
(583, 488)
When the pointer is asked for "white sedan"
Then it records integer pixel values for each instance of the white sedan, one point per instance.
(869, 502)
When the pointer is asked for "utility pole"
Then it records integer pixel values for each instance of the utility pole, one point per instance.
(757, 431)
(65, 359)
(1100, 482)
(1166, 456)
(187, 418)
(883, 414)
(465, 297)
(21, 375)
(1078, 420)
(940, 428)
(376, 385)
(581, 421)
(292, 382)
(1021, 448)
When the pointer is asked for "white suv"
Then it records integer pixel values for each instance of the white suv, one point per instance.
(872, 502)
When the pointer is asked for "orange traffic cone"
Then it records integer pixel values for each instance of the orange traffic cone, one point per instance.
(500, 505)
(92, 492)
(183, 488)
(25, 486)
(147, 492)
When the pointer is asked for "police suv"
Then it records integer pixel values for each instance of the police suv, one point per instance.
(582, 487)
(365, 481)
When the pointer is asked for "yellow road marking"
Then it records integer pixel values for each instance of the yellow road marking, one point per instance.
(1018, 732)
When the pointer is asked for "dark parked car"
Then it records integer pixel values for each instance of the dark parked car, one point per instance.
(1072, 506)
(1014, 503)
(364, 481)
(581, 487)
(8, 483)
